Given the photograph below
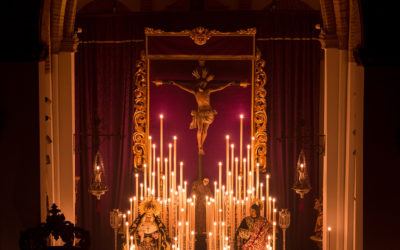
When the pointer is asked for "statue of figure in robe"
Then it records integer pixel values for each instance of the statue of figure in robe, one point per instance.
(204, 115)
(253, 231)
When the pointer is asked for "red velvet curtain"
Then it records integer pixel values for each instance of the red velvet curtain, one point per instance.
(104, 84)
(293, 69)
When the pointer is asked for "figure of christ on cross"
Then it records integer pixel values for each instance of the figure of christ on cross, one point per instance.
(204, 115)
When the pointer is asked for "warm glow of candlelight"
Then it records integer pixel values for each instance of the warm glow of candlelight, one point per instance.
(241, 116)
(161, 116)
(329, 229)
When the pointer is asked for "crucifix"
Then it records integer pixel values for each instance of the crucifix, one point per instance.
(204, 115)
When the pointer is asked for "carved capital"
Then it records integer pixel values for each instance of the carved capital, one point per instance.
(328, 40)
(70, 44)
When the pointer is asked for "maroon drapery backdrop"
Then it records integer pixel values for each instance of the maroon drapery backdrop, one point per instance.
(104, 84)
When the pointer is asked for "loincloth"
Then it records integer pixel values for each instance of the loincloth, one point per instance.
(202, 116)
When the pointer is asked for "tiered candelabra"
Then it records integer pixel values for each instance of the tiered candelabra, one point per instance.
(159, 182)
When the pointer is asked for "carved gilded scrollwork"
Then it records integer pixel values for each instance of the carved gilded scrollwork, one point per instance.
(140, 113)
(260, 113)
(199, 35)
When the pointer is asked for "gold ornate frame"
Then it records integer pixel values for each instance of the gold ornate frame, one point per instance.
(200, 36)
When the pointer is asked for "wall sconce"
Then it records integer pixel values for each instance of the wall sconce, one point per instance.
(97, 187)
(302, 182)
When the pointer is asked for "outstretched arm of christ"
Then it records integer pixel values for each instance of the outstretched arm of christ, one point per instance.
(179, 85)
(232, 83)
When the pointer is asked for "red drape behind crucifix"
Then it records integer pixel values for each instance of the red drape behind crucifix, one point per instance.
(228, 58)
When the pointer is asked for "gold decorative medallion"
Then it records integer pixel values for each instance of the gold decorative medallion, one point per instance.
(200, 35)
(260, 113)
(140, 113)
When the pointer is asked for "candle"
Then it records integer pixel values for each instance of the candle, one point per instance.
(237, 178)
(249, 181)
(130, 208)
(135, 207)
(137, 184)
(144, 179)
(269, 241)
(181, 173)
(161, 145)
(153, 182)
(175, 138)
(258, 181)
(129, 216)
(147, 173)
(219, 174)
(262, 200)
(267, 193)
(141, 189)
(153, 168)
(158, 175)
(165, 179)
(329, 238)
(269, 207)
(273, 206)
(273, 235)
(227, 162)
(244, 173)
(232, 166)
(132, 245)
(241, 143)
(253, 160)
(127, 234)
(169, 166)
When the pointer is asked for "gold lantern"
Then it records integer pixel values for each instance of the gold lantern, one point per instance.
(97, 186)
(302, 182)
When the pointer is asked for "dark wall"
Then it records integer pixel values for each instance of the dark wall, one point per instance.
(380, 56)
(381, 157)
(19, 120)
(19, 147)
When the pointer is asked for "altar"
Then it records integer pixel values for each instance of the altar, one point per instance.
(206, 162)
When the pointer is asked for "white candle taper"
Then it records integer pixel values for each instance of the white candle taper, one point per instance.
(152, 169)
(168, 173)
(127, 234)
(227, 161)
(130, 209)
(175, 138)
(141, 189)
(161, 143)
(241, 143)
(158, 176)
(219, 175)
(137, 184)
(267, 194)
(253, 160)
(233, 167)
(181, 173)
